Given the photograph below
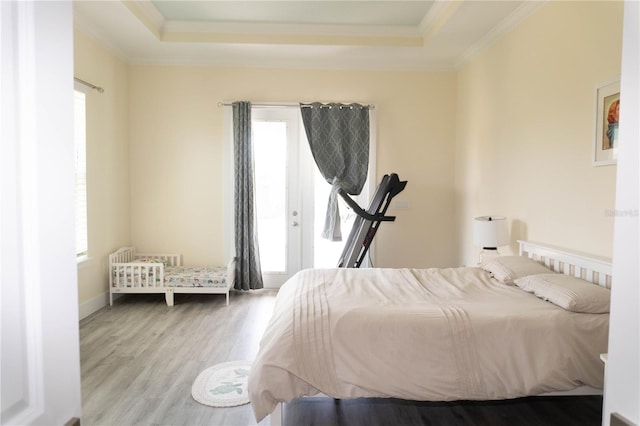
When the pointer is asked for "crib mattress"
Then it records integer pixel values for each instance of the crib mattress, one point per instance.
(195, 276)
(174, 276)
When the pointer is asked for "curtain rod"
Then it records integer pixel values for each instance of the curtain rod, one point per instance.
(282, 104)
(92, 86)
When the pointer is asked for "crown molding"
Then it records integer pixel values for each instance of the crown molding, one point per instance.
(514, 19)
(218, 61)
(81, 24)
(143, 11)
(151, 12)
(437, 16)
(268, 33)
(408, 40)
(292, 39)
(290, 29)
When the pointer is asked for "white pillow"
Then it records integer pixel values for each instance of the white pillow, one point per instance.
(507, 268)
(568, 292)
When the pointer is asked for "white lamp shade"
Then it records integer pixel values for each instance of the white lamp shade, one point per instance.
(490, 231)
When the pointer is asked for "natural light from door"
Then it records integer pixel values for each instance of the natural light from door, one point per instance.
(280, 219)
(270, 154)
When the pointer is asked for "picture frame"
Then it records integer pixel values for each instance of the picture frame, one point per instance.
(605, 142)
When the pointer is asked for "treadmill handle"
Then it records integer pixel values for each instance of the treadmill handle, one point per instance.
(362, 213)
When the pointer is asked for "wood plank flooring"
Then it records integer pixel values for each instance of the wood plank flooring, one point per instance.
(140, 358)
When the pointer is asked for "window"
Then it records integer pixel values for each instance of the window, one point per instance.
(80, 140)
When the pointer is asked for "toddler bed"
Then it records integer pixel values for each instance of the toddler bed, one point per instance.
(131, 272)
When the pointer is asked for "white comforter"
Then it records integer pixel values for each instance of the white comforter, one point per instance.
(420, 334)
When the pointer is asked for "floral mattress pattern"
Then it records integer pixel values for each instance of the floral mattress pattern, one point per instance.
(195, 276)
(174, 276)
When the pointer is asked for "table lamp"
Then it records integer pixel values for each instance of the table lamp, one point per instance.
(490, 232)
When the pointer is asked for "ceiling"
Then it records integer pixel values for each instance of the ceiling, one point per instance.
(412, 35)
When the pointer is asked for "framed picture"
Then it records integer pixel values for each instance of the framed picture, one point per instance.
(605, 145)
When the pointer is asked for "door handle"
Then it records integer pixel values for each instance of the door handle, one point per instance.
(294, 223)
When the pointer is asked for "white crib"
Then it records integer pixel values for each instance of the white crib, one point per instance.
(131, 272)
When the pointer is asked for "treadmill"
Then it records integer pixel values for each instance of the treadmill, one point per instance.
(367, 222)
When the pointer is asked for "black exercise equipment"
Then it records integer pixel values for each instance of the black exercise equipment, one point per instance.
(367, 223)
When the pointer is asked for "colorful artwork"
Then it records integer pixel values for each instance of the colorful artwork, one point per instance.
(612, 106)
(605, 146)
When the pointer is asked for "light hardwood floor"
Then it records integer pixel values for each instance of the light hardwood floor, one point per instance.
(140, 358)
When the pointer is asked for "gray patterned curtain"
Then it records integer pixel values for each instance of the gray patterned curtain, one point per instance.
(338, 135)
(248, 271)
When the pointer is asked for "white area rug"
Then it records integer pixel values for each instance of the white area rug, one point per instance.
(223, 385)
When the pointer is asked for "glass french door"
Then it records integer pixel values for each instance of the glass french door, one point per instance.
(278, 184)
(291, 198)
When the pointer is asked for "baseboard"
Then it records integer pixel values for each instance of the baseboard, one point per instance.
(93, 305)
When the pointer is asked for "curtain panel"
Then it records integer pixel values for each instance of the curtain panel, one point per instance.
(248, 271)
(338, 136)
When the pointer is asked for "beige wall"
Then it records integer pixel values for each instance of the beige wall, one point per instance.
(525, 112)
(511, 133)
(107, 164)
(176, 153)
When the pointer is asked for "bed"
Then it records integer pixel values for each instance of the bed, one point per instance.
(131, 272)
(505, 330)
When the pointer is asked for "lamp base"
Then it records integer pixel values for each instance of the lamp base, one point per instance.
(487, 254)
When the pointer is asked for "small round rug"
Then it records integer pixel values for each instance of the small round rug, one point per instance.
(223, 385)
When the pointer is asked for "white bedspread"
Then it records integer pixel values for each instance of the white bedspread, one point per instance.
(428, 334)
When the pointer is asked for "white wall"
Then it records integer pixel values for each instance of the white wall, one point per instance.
(622, 383)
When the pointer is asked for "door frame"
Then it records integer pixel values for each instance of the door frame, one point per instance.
(227, 170)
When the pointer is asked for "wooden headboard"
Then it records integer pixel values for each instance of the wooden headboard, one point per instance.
(594, 269)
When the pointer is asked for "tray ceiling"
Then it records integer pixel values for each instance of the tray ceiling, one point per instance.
(418, 35)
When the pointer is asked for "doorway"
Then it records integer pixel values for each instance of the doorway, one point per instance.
(281, 173)
(291, 197)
